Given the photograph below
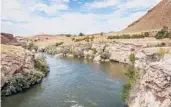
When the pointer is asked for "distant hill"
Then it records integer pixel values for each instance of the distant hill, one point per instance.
(154, 20)
(7, 38)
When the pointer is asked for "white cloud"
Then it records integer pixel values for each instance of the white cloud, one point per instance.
(139, 4)
(49, 9)
(101, 4)
(14, 11)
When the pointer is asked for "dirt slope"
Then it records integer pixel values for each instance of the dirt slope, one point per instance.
(154, 20)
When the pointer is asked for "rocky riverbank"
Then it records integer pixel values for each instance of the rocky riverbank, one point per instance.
(153, 59)
(20, 69)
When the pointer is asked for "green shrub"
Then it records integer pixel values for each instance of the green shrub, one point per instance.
(105, 55)
(169, 35)
(87, 39)
(92, 38)
(51, 50)
(132, 58)
(101, 34)
(94, 50)
(31, 46)
(19, 82)
(41, 65)
(81, 34)
(162, 51)
(126, 91)
(146, 34)
(163, 33)
(132, 75)
(59, 43)
(68, 35)
(113, 37)
(73, 39)
(126, 36)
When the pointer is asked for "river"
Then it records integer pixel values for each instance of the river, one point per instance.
(74, 83)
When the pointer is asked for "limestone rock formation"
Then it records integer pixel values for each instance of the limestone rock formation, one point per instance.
(154, 88)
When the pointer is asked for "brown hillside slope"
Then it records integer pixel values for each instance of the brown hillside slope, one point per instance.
(154, 20)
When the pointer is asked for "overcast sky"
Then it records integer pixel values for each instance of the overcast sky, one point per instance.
(29, 17)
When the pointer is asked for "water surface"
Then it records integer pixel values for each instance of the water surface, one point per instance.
(74, 83)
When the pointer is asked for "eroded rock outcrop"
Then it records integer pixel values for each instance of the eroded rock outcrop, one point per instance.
(154, 86)
(19, 69)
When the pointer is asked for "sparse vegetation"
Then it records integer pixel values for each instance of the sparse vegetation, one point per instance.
(20, 82)
(68, 35)
(162, 51)
(164, 33)
(129, 37)
(41, 65)
(105, 55)
(59, 43)
(73, 39)
(101, 34)
(87, 39)
(50, 50)
(132, 75)
(31, 46)
(132, 58)
(81, 34)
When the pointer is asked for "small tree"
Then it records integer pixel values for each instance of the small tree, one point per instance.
(163, 33)
(81, 34)
(146, 34)
(101, 34)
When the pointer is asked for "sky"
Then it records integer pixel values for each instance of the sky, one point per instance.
(30, 17)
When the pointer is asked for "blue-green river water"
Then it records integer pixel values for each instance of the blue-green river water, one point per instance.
(74, 83)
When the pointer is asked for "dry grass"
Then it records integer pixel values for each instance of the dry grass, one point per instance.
(12, 50)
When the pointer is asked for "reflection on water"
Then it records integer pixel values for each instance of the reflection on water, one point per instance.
(74, 83)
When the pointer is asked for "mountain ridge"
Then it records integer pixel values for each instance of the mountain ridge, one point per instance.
(154, 19)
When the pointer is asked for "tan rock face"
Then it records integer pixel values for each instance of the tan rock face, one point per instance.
(20, 69)
(155, 83)
(14, 60)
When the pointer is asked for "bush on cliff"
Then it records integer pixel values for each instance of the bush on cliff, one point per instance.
(132, 75)
(20, 82)
(41, 65)
(125, 91)
(105, 55)
(50, 50)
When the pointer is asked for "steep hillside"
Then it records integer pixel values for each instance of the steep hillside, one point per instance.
(154, 20)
